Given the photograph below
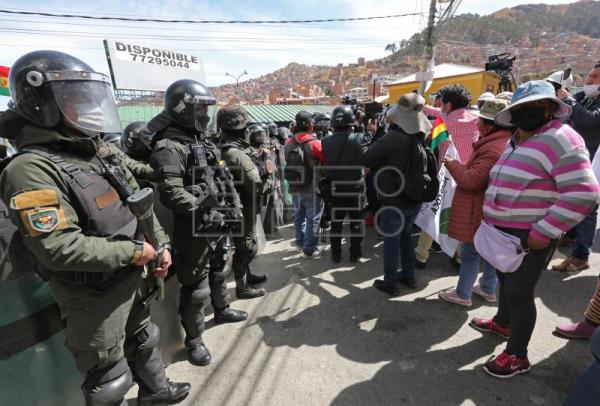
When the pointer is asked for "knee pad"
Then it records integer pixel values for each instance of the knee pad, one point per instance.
(108, 387)
(148, 338)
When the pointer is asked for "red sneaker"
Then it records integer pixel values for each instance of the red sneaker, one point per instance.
(506, 366)
(489, 325)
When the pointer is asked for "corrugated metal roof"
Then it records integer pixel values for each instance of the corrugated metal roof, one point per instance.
(282, 112)
(279, 113)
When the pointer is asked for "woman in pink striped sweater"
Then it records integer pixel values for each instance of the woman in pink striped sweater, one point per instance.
(541, 187)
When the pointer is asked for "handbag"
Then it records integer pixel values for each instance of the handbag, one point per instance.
(501, 250)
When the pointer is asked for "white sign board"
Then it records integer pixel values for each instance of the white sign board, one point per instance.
(143, 67)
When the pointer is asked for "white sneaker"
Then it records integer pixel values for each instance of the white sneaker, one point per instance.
(317, 253)
(488, 297)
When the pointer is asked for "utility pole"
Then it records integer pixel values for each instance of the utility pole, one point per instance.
(428, 52)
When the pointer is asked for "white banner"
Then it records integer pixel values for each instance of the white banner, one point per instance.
(143, 67)
(434, 216)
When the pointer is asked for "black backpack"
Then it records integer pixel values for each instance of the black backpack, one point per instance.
(421, 174)
(298, 163)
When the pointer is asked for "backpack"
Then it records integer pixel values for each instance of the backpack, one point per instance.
(421, 174)
(298, 163)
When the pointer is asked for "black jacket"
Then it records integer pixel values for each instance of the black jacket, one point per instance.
(585, 120)
(344, 149)
(389, 155)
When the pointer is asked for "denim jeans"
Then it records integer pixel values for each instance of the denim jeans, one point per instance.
(396, 225)
(584, 236)
(308, 208)
(469, 268)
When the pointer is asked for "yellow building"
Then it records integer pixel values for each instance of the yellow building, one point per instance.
(476, 80)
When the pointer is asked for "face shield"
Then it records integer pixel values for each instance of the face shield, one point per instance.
(86, 101)
(201, 117)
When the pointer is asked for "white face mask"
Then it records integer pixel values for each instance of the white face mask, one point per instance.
(591, 90)
(90, 117)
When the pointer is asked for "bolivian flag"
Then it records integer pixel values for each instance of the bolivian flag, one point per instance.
(439, 134)
(4, 81)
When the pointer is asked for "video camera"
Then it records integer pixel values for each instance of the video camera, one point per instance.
(500, 62)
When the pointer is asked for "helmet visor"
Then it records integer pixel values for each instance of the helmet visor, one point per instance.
(201, 117)
(88, 105)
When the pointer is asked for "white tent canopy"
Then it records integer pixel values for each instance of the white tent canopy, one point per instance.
(441, 71)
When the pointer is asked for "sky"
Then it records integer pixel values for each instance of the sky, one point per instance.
(224, 48)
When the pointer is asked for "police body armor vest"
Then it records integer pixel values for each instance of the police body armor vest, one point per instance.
(99, 207)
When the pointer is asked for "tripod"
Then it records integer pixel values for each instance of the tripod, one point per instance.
(506, 81)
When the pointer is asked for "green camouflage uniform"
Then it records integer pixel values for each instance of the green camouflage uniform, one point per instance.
(91, 275)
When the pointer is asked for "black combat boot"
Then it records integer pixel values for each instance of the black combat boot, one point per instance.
(198, 354)
(228, 315)
(172, 393)
(243, 290)
(255, 279)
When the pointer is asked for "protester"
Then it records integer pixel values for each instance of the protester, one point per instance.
(483, 98)
(472, 179)
(560, 82)
(387, 156)
(541, 186)
(302, 153)
(462, 126)
(585, 119)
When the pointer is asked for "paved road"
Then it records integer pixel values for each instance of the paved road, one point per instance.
(324, 336)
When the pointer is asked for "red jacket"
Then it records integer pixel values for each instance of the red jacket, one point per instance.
(472, 180)
(315, 146)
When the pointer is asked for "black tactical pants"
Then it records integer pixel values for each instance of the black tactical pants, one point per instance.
(201, 269)
(340, 208)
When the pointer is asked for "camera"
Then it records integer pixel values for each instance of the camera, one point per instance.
(500, 63)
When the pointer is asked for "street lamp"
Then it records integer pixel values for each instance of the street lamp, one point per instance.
(237, 82)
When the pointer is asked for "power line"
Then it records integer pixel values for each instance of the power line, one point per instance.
(157, 20)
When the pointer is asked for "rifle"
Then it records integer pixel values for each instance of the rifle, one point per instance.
(141, 204)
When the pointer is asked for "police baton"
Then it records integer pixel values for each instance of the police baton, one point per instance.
(141, 204)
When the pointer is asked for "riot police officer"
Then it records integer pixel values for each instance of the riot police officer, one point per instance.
(343, 148)
(81, 234)
(322, 124)
(199, 191)
(136, 142)
(232, 121)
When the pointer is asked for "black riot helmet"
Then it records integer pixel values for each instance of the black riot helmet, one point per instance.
(137, 140)
(257, 134)
(343, 117)
(272, 127)
(50, 87)
(113, 138)
(186, 103)
(322, 122)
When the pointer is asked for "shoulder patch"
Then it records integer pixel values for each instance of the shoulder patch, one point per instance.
(44, 220)
(248, 166)
(40, 211)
